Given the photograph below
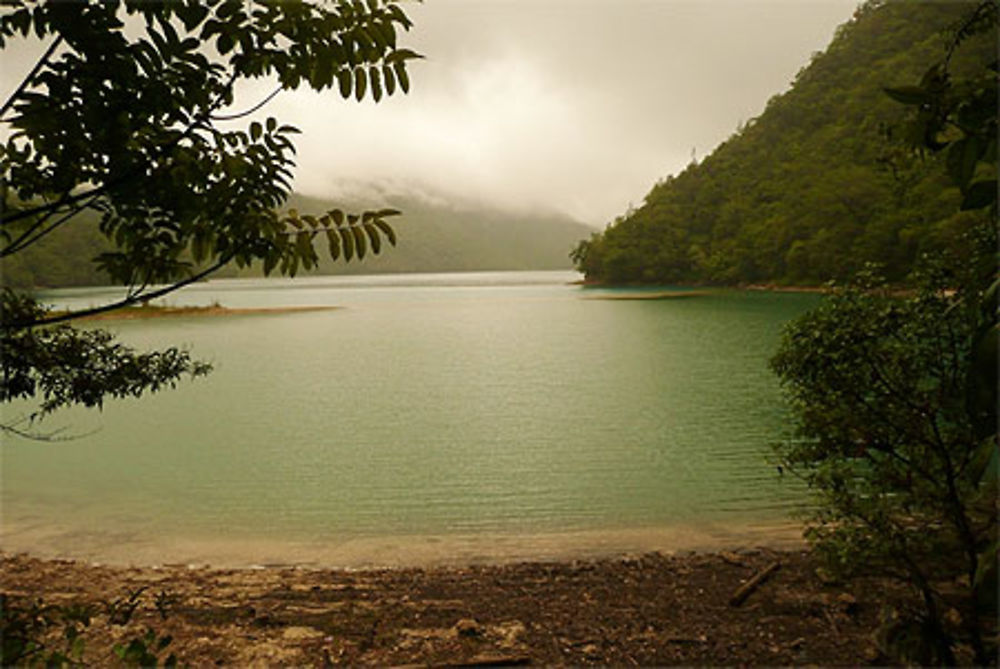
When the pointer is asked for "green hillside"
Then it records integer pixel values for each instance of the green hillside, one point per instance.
(815, 186)
(438, 237)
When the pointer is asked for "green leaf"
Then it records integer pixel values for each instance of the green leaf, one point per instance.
(256, 131)
(191, 14)
(360, 83)
(962, 158)
(345, 81)
(338, 216)
(224, 44)
(359, 241)
(373, 238)
(390, 234)
(385, 213)
(348, 243)
(270, 262)
(304, 249)
(400, 55)
(980, 194)
(390, 80)
(199, 248)
(401, 76)
(375, 79)
(908, 95)
(333, 241)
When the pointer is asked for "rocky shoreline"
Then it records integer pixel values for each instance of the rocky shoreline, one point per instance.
(650, 609)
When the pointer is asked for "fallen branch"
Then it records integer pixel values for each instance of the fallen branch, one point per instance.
(750, 586)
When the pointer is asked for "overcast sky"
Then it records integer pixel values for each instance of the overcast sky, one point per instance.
(574, 105)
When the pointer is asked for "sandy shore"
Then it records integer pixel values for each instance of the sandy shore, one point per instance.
(46, 535)
(650, 609)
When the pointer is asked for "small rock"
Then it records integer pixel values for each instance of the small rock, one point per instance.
(825, 576)
(299, 633)
(873, 655)
(953, 617)
(847, 603)
(510, 632)
(468, 627)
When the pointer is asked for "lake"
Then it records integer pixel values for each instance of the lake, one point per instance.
(430, 418)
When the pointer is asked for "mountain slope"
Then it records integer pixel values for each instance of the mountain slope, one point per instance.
(812, 189)
(434, 236)
(445, 236)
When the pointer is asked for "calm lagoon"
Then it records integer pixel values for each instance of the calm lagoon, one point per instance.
(430, 418)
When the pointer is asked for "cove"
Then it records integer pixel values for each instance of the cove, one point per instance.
(430, 418)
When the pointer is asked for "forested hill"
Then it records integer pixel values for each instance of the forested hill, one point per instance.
(434, 236)
(812, 188)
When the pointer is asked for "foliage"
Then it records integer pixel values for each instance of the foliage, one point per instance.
(896, 396)
(889, 443)
(124, 117)
(62, 365)
(821, 182)
(33, 633)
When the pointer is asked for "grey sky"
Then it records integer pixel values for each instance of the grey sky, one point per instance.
(578, 106)
(575, 105)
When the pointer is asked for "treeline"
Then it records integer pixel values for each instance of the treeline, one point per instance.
(818, 184)
(63, 258)
(434, 236)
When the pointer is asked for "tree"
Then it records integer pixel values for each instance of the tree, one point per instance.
(804, 193)
(888, 443)
(896, 397)
(126, 114)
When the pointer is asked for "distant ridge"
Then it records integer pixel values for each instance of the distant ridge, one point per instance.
(445, 236)
(434, 236)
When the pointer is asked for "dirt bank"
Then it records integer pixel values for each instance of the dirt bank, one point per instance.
(647, 610)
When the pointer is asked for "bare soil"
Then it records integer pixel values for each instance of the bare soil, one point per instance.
(644, 610)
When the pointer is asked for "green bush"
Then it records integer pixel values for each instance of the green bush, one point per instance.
(888, 389)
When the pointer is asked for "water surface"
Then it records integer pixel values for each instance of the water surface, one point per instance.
(432, 417)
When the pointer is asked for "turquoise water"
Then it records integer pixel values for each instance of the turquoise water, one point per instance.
(440, 416)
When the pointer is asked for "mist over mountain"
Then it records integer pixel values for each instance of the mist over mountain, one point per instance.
(434, 234)
(443, 235)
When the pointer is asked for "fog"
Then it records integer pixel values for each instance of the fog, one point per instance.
(576, 106)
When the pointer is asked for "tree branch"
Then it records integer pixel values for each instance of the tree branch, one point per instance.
(31, 75)
(100, 190)
(233, 117)
(52, 206)
(128, 301)
(23, 241)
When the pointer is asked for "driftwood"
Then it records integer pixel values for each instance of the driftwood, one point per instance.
(755, 582)
(732, 558)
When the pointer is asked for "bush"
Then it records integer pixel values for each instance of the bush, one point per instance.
(897, 443)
